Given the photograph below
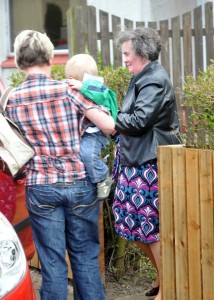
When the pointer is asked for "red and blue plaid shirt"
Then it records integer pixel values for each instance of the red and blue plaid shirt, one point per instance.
(49, 113)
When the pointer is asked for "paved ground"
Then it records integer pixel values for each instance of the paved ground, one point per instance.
(36, 278)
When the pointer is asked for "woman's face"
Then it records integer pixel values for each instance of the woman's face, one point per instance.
(134, 63)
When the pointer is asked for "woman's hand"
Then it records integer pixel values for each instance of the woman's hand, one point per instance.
(75, 84)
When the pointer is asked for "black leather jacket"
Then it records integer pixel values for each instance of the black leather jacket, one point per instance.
(148, 117)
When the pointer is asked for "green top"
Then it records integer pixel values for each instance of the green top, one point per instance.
(100, 94)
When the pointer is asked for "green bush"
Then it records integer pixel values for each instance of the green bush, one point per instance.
(199, 102)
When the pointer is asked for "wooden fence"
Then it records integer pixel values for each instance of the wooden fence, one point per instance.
(186, 186)
(187, 40)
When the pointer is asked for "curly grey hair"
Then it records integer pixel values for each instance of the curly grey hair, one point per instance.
(32, 48)
(145, 42)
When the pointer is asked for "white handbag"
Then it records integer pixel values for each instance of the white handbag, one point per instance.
(15, 151)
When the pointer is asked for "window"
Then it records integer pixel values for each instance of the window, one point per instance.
(42, 15)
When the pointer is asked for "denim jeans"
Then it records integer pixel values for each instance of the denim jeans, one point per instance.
(65, 216)
(90, 149)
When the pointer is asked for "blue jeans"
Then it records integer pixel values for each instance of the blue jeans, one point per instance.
(90, 149)
(65, 216)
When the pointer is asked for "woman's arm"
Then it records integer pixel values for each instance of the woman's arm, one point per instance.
(101, 119)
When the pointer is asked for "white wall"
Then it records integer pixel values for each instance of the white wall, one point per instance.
(4, 31)
(146, 10)
(128, 9)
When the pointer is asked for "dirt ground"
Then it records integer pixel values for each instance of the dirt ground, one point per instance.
(133, 283)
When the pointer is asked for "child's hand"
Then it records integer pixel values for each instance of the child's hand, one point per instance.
(75, 84)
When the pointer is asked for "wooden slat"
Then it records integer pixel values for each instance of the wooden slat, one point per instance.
(101, 236)
(117, 55)
(193, 224)
(152, 25)
(209, 31)
(34, 262)
(92, 31)
(128, 24)
(80, 29)
(180, 223)
(187, 42)
(105, 42)
(166, 210)
(188, 61)
(70, 276)
(198, 39)
(176, 56)
(140, 24)
(164, 34)
(70, 31)
(207, 222)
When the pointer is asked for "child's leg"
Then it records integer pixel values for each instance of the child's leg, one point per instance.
(90, 150)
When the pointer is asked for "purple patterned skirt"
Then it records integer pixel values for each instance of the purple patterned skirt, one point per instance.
(135, 205)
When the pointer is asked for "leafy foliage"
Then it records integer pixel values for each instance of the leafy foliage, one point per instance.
(116, 79)
(199, 102)
(17, 78)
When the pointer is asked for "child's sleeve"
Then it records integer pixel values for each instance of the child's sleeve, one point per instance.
(100, 94)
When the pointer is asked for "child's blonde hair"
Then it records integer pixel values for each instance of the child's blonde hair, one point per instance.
(79, 64)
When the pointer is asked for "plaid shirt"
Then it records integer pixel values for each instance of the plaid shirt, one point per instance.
(49, 114)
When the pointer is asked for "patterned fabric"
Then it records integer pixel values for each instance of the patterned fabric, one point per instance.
(135, 205)
(49, 114)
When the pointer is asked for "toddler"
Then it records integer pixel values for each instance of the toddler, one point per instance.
(82, 71)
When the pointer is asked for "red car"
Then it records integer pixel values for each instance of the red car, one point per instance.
(16, 242)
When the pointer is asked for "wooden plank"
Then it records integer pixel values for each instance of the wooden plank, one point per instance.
(166, 210)
(128, 24)
(164, 35)
(209, 31)
(117, 55)
(176, 56)
(101, 236)
(152, 25)
(140, 24)
(188, 62)
(70, 31)
(79, 30)
(207, 222)
(105, 43)
(34, 262)
(193, 224)
(70, 276)
(198, 40)
(180, 223)
(92, 31)
(187, 43)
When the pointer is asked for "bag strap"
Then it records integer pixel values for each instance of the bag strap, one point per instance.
(4, 98)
